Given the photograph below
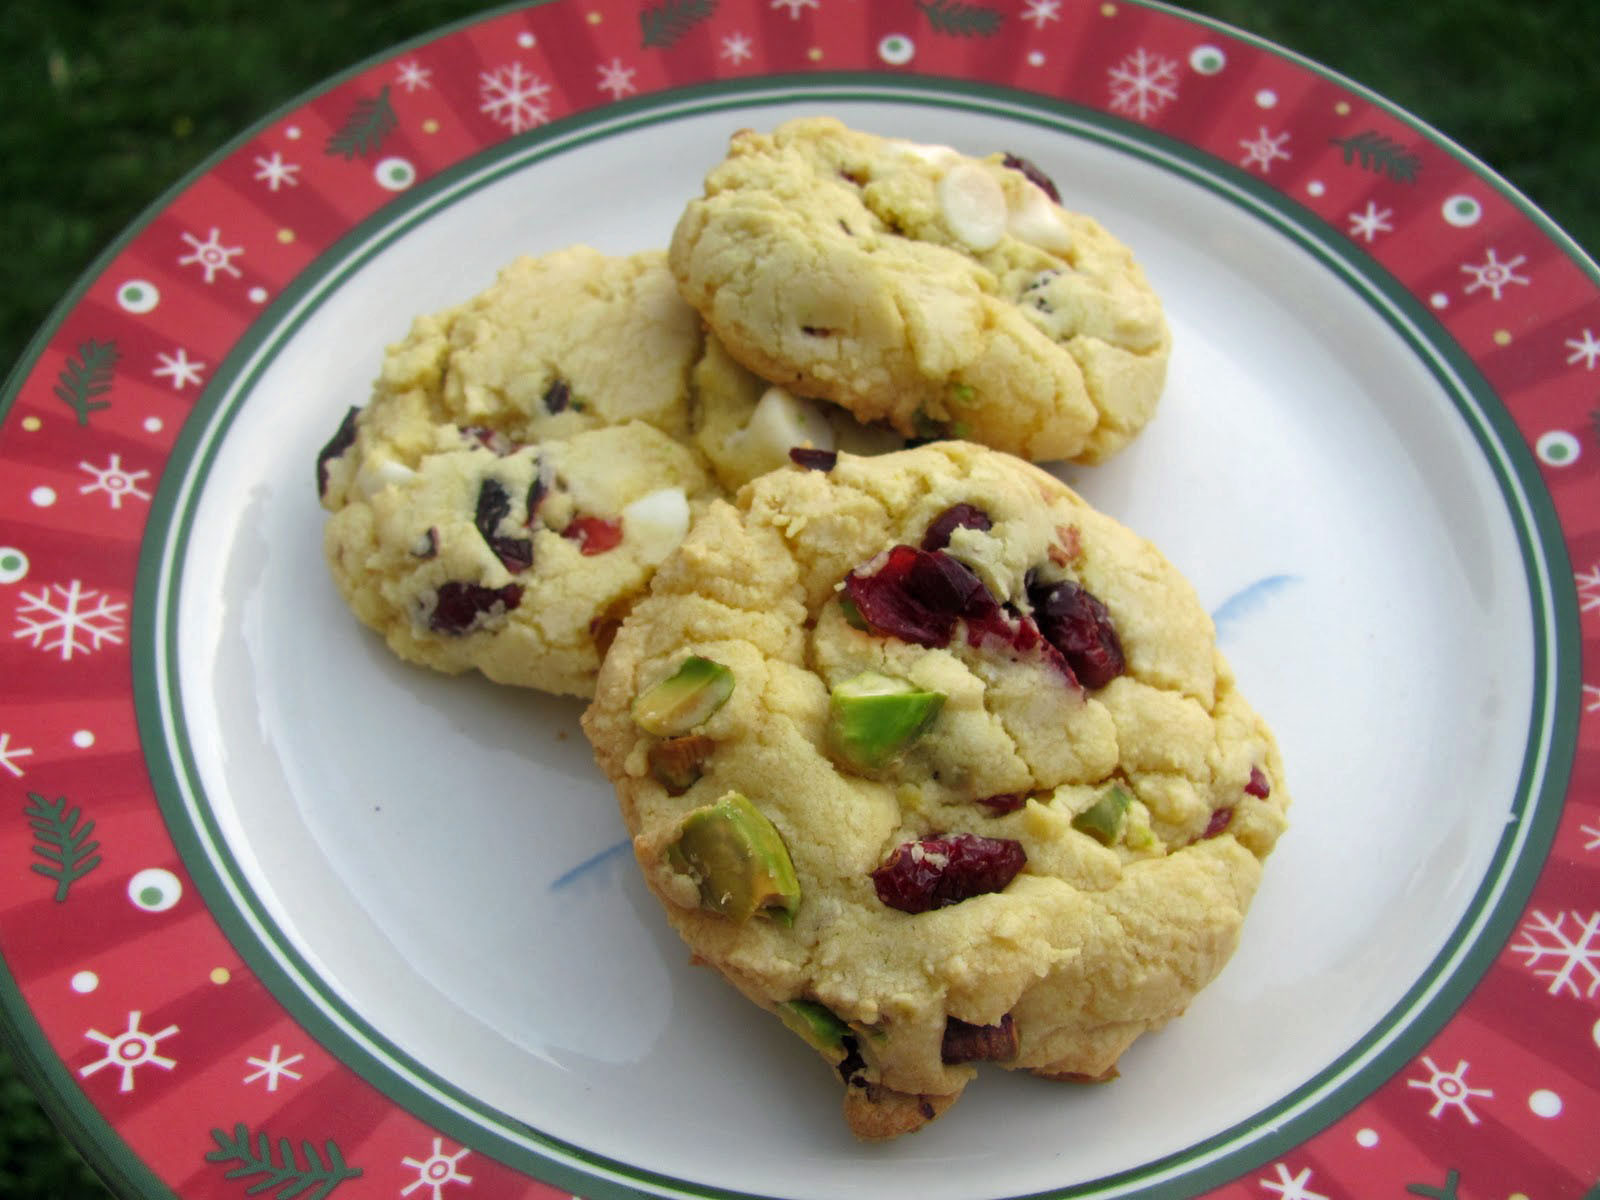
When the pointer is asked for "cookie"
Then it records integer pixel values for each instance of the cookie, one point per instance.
(746, 426)
(523, 464)
(942, 294)
(938, 765)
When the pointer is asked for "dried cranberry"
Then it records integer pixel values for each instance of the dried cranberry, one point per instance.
(1258, 785)
(461, 604)
(957, 516)
(343, 438)
(939, 871)
(816, 460)
(557, 396)
(1074, 621)
(816, 331)
(1005, 802)
(536, 494)
(979, 1043)
(1220, 820)
(1035, 176)
(918, 596)
(594, 535)
(494, 506)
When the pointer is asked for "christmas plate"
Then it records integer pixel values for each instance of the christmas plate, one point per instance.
(281, 916)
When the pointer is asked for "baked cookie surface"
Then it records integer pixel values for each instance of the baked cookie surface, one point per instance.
(943, 294)
(939, 765)
(521, 467)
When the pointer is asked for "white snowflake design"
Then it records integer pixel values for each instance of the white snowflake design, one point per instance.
(616, 79)
(1143, 84)
(412, 75)
(129, 1050)
(1588, 588)
(1494, 274)
(115, 480)
(9, 755)
(1591, 831)
(736, 47)
(514, 96)
(1592, 703)
(1450, 1090)
(1585, 349)
(1040, 11)
(795, 7)
(179, 368)
(272, 1068)
(436, 1170)
(1264, 149)
(1370, 221)
(211, 255)
(275, 172)
(1571, 962)
(1290, 1187)
(76, 620)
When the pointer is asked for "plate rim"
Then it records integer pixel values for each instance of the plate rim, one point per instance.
(70, 1106)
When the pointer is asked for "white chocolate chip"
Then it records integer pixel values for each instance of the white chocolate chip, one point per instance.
(974, 206)
(1035, 220)
(656, 522)
(780, 422)
(378, 472)
(928, 152)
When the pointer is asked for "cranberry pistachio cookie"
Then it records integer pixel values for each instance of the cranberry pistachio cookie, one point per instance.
(939, 766)
(943, 294)
(523, 464)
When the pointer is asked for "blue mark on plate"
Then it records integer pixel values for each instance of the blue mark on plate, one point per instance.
(1247, 600)
(587, 865)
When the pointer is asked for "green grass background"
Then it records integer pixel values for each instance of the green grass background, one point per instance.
(104, 104)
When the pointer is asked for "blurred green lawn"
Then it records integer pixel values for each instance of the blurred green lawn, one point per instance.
(106, 104)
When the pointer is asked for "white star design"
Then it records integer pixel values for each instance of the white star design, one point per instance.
(795, 7)
(9, 755)
(211, 255)
(276, 173)
(1040, 11)
(736, 48)
(272, 1068)
(1449, 1090)
(1593, 831)
(1291, 1187)
(1585, 349)
(435, 1171)
(1494, 274)
(115, 480)
(412, 75)
(1264, 149)
(616, 79)
(179, 368)
(1591, 694)
(1370, 222)
(128, 1050)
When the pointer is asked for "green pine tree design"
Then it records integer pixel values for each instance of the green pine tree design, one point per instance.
(370, 121)
(62, 841)
(667, 22)
(279, 1166)
(87, 376)
(963, 20)
(1382, 154)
